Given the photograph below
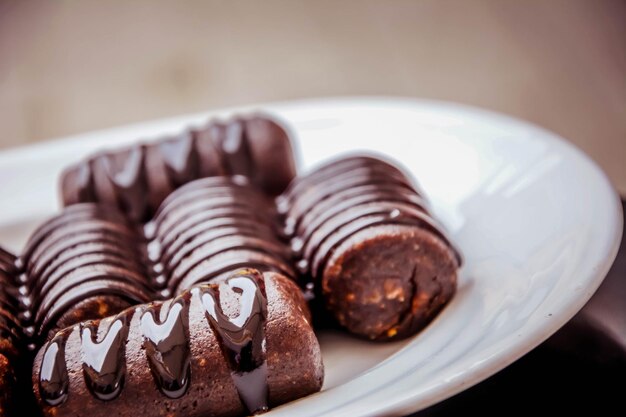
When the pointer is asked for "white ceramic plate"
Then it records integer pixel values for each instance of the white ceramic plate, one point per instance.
(537, 222)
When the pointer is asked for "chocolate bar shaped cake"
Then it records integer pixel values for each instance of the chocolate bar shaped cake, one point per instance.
(86, 263)
(210, 226)
(238, 345)
(364, 238)
(137, 179)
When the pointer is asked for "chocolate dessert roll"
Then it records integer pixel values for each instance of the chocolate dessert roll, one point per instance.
(212, 226)
(239, 345)
(10, 332)
(137, 179)
(364, 238)
(86, 263)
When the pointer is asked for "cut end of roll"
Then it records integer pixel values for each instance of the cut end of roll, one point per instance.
(387, 282)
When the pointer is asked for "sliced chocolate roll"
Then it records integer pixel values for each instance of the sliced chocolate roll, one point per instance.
(86, 263)
(138, 179)
(211, 227)
(10, 333)
(365, 239)
(234, 347)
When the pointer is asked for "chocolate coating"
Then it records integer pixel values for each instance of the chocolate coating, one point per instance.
(92, 261)
(86, 263)
(136, 180)
(212, 226)
(227, 348)
(53, 379)
(363, 236)
(167, 346)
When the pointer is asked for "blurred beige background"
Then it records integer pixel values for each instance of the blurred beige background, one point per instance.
(70, 66)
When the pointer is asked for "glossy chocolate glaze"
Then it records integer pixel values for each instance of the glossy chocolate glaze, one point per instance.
(165, 328)
(94, 251)
(96, 289)
(105, 281)
(69, 215)
(203, 221)
(199, 212)
(398, 217)
(87, 251)
(225, 244)
(345, 212)
(242, 338)
(305, 224)
(210, 227)
(63, 240)
(325, 208)
(126, 175)
(84, 256)
(390, 211)
(329, 171)
(137, 179)
(104, 360)
(229, 261)
(181, 161)
(213, 185)
(53, 378)
(167, 345)
(202, 232)
(208, 231)
(235, 146)
(188, 195)
(316, 195)
(228, 193)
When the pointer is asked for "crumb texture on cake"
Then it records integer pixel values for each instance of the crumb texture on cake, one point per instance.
(366, 243)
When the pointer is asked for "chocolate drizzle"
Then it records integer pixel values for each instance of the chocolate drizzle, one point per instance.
(211, 227)
(235, 148)
(243, 337)
(332, 170)
(137, 179)
(53, 377)
(127, 177)
(165, 328)
(104, 364)
(166, 344)
(88, 251)
(96, 254)
(180, 157)
(340, 199)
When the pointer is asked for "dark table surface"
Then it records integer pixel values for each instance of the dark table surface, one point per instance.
(580, 370)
